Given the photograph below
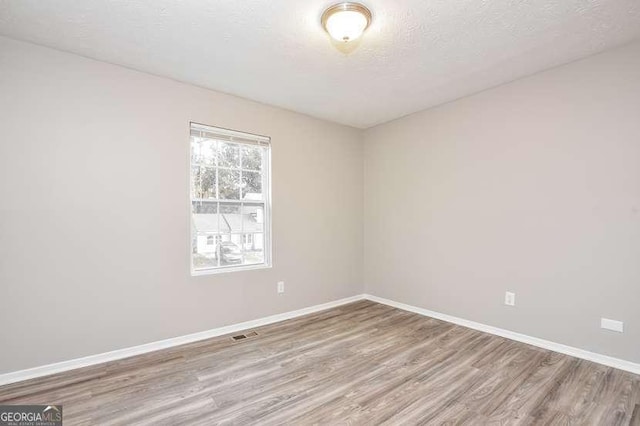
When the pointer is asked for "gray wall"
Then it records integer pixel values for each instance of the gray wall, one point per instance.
(94, 213)
(533, 187)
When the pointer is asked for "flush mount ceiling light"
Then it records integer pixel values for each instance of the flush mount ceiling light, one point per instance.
(346, 21)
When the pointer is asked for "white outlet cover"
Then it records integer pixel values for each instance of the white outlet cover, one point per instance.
(613, 325)
(510, 298)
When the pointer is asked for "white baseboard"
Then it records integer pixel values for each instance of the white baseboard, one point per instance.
(609, 361)
(59, 367)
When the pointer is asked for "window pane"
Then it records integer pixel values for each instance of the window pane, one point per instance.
(204, 207)
(203, 151)
(205, 225)
(253, 218)
(208, 175)
(231, 217)
(203, 245)
(201, 262)
(229, 186)
(253, 248)
(251, 185)
(229, 155)
(252, 157)
(230, 250)
(203, 182)
(196, 185)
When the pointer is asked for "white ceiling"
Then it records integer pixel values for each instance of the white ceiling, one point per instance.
(416, 54)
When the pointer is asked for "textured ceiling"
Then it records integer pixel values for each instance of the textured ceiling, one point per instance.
(415, 55)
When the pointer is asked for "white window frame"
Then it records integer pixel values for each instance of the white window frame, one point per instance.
(234, 136)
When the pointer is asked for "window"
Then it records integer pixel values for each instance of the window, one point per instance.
(230, 206)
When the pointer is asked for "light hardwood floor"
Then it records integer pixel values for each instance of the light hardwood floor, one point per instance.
(362, 363)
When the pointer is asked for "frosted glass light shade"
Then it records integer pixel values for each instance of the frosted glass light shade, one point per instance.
(346, 21)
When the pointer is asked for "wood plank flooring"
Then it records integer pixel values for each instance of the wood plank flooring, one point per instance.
(362, 363)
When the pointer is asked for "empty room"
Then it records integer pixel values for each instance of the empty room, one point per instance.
(254, 212)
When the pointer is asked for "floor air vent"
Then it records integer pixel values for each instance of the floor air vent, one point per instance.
(245, 336)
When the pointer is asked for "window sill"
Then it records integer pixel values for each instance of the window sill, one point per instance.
(229, 269)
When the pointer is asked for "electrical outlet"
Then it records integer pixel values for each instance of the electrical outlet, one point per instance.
(612, 325)
(510, 299)
(280, 287)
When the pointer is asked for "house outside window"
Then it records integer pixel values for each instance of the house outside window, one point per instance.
(230, 205)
